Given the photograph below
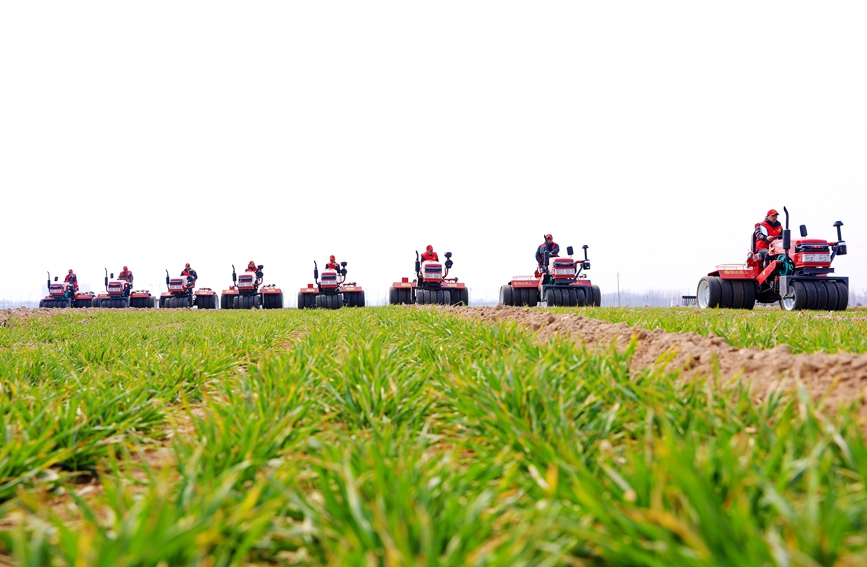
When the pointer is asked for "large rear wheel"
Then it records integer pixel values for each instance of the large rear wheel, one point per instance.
(422, 296)
(392, 296)
(595, 298)
(709, 292)
(360, 299)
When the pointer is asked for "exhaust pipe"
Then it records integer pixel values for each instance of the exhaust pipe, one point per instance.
(787, 234)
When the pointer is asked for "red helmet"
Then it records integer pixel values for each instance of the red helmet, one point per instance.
(70, 270)
(252, 263)
(331, 257)
(429, 248)
(549, 237)
(772, 212)
(188, 265)
(125, 268)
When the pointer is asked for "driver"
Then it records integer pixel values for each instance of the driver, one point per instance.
(125, 275)
(549, 244)
(251, 267)
(429, 255)
(72, 278)
(773, 228)
(332, 264)
(190, 274)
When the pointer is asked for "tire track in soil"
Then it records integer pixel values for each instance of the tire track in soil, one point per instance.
(841, 378)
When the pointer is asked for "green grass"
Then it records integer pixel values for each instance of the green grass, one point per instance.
(392, 436)
(763, 328)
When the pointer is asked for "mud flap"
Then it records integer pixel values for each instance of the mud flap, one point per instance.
(785, 292)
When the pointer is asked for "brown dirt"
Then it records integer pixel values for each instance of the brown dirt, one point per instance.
(839, 378)
(11, 317)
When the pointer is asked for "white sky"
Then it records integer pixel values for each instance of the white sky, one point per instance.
(151, 134)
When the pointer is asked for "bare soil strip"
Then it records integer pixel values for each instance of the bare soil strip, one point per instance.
(840, 378)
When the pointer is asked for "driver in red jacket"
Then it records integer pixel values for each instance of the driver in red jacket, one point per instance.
(72, 278)
(251, 267)
(332, 264)
(429, 255)
(773, 228)
(125, 275)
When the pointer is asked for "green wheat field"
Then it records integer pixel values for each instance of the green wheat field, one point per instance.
(402, 436)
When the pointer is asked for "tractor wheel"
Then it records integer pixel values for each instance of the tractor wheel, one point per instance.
(831, 293)
(594, 296)
(152, 303)
(709, 292)
(267, 300)
(393, 293)
(799, 300)
(320, 302)
(41, 303)
(360, 299)
(506, 294)
(224, 300)
(842, 296)
(337, 301)
(460, 296)
(821, 295)
(737, 293)
(65, 304)
(422, 296)
(350, 299)
(134, 302)
(162, 303)
(582, 296)
(812, 296)
(278, 301)
(95, 302)
(727, 297)
(444, 297)
(300, 300)
(749, 294)
(236, 302)
(552, 296)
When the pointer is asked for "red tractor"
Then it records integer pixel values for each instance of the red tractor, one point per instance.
(120, 295)
(431, 285)
(796, 274)
(557, 282)
(63, 294)
(331, 292)
(182, 293)
(247, 292)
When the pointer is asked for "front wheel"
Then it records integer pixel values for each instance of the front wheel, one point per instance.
(797, 299)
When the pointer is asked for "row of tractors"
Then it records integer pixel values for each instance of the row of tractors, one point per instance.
(797, 274)
(557, 282)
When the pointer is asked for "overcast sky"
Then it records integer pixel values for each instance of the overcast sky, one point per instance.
(156, 133)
